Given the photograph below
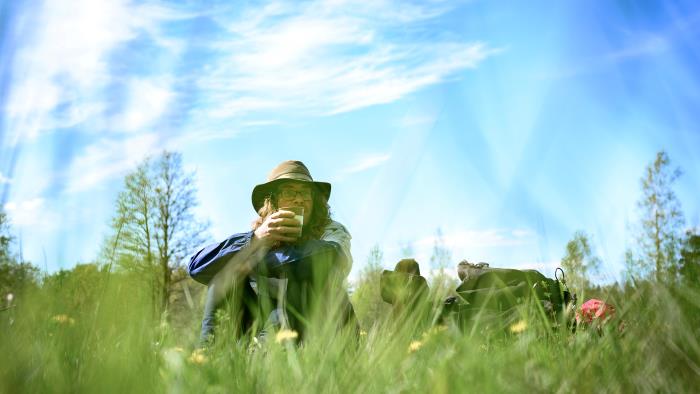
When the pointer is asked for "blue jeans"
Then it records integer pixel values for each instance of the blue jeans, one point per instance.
(251, 312)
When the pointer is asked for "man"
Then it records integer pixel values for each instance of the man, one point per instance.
(281, 269)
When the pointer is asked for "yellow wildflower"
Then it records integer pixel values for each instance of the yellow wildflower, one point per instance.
(363, 333)
(518, 327)
(434, 330)
(63, 319)
(286, 335)
(415, 345)
(198, 357)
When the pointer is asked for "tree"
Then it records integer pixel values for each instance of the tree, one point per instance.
(441, 282)
(154, 227)
(79, 287)
(406, 250)
(441, 257)
(367, 299)
(659, 232)
(578, 261)
(15, 276)
(5, 239)
(690, 259)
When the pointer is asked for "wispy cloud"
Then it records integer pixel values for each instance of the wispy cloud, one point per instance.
(4, 179)
(27, 213)
(148, 100)
(109, 157)
(365, 163)
(471, 244)
(413, 120)
(327, 57)
(545, 267)
(314, 58)
(475, 239)
(647, 45)
(268, 62)
(636, 45)
(475, 245)
(61, 66)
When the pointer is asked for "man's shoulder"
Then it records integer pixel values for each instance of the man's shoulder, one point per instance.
(334, 226)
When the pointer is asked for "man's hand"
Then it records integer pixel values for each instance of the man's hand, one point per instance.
(278, 227)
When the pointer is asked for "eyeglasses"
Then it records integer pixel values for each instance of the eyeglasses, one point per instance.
(289, 194)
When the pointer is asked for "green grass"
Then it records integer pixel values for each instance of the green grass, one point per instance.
(104, 339)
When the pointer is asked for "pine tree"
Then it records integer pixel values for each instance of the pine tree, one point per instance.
(659, 233)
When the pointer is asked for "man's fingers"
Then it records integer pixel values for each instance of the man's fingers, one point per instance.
(285, 222)
(284, 238)
(285, 230)
(282, 214)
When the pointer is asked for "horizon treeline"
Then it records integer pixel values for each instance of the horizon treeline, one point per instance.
(153, 229)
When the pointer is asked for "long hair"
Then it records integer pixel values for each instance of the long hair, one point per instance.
(320, 218)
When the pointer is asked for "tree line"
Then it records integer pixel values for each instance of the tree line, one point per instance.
(154, 228)
(663, 250)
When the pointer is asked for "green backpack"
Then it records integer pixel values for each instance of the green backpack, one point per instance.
(496, 293)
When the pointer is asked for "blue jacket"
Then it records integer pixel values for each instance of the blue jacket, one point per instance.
(334, 248)
(206, 263)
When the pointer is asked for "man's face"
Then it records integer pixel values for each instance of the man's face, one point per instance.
(295, 194)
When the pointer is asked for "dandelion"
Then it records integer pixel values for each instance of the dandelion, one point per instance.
(286, 335)
(414, 346)
(198, 357)
(63, 319)
(435, 330)
(363, 333)
(518, 327)
(10, 297)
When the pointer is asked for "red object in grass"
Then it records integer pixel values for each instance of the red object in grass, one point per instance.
(594, 310)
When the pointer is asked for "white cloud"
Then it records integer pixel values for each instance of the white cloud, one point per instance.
(328, 57)
(644, 46)
(27, 213)
(413, 120)
(365, 163)
(110, 157)
(474, 245)
(64, 56)
(148, 100)
(62, 60)
(4, 179)
(281, 57)
(475, 239)
(545, 267)
(638, 45)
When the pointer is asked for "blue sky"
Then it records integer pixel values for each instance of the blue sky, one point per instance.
(507, 125)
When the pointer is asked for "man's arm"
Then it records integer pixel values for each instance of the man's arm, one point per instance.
(337, 233)
(206, 263)
(277, 227)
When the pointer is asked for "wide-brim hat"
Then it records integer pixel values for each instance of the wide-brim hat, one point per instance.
(287, 171)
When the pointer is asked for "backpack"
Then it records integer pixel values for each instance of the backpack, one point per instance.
(496, 293)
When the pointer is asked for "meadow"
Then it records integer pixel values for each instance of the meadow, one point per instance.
(99, 335)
